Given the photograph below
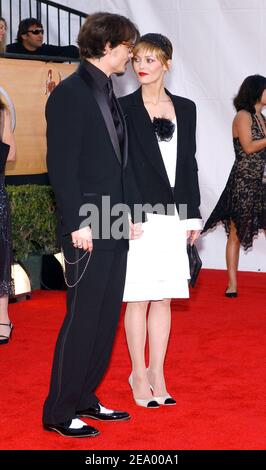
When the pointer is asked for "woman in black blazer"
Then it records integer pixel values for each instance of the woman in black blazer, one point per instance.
(161, 130)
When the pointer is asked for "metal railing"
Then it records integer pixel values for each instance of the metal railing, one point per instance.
(42, 58)
(47, 12)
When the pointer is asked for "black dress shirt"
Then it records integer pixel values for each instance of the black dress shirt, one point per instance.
(105, 84)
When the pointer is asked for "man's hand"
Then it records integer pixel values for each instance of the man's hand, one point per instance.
(192, 235)
(82, 239)
(135, 231)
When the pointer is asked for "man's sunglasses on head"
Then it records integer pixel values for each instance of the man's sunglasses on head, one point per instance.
(36, 31)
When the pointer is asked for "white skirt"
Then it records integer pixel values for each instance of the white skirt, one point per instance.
(158, 266)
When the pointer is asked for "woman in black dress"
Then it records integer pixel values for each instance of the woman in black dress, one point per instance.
(242, 205)
(7, 153)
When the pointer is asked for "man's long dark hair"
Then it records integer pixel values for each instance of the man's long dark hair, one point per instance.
(102, 28)
(250, 93)
(24, 26)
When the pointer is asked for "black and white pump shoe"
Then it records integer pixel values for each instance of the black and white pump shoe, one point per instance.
(165, 400)
(145, 402)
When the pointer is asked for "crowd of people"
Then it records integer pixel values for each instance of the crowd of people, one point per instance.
(138, 150)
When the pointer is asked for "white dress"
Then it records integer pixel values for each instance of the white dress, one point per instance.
(157, 266)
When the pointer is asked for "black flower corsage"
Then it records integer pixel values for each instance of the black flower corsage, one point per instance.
(164, 128)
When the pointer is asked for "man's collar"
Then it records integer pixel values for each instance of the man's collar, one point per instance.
(97, 74)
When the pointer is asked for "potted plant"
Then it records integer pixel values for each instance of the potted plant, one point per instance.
(33, 222)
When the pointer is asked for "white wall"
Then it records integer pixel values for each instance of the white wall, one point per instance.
(217, 44)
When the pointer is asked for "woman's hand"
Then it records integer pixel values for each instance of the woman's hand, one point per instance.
(192, 235)
(135, 231)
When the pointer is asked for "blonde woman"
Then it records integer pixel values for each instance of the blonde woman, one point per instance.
(161, 132)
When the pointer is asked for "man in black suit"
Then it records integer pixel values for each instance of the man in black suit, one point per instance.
(87, 163)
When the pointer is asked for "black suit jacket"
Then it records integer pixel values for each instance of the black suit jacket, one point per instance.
(146, 160)
(83, 156)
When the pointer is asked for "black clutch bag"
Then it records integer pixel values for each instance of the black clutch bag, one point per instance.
(195, 263)
(4, 150)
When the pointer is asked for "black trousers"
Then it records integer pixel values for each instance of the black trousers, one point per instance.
(86, 337)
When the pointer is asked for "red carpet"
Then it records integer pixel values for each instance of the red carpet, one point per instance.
(215, 369)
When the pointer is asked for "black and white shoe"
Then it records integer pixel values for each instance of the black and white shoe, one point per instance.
(73, 428)
(101, 413)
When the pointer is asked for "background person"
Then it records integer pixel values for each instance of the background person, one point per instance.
(3, 30)
(7, 153)
(30, 41)
(242, 205)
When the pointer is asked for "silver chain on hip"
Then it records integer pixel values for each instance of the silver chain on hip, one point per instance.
(75, 262)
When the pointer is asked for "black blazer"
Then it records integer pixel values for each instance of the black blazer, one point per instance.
(83, 156)
(146, 159)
